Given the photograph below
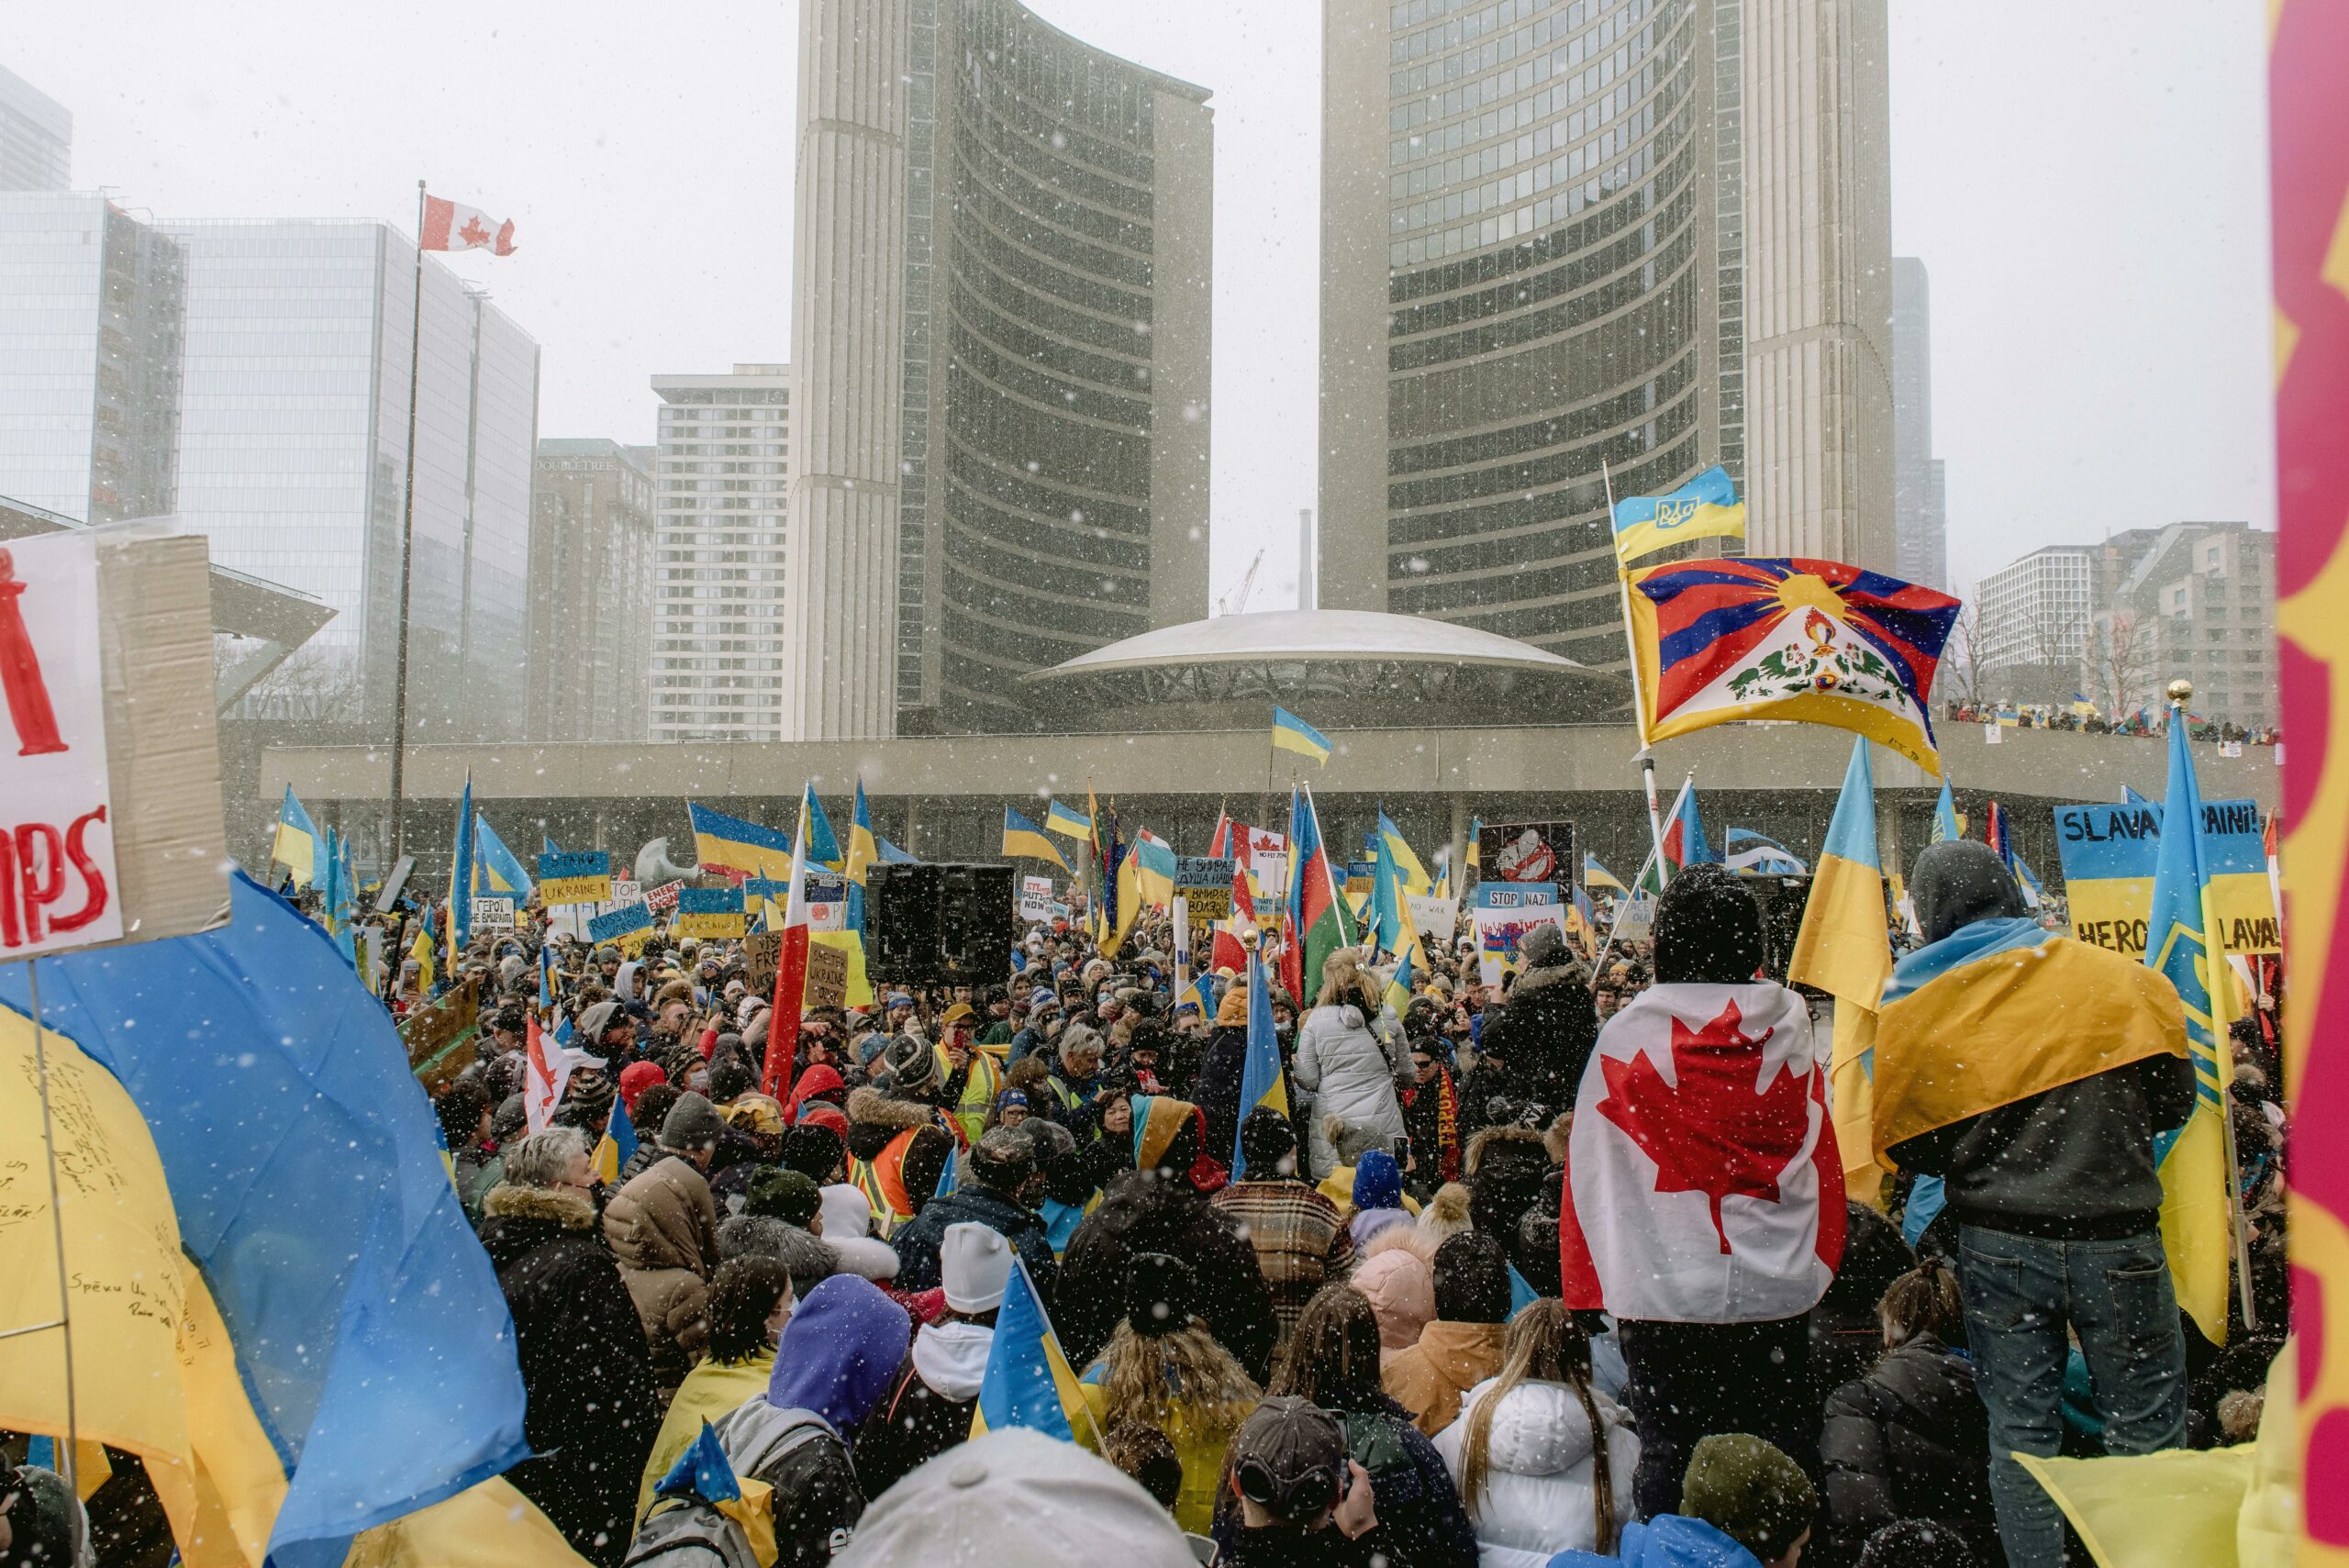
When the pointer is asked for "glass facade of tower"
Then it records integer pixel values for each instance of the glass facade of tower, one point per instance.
(92, 313)
(36, 137)
(1552, 234)
(294, 460)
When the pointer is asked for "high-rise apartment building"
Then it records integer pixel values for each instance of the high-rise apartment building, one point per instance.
(1563, 240)
(592, 576)
(92, 307)
(36, 138)
(2195, 600)
(1920, 496)
(2033, 626)
(720, 669)
(1000, 343)
(294, 440)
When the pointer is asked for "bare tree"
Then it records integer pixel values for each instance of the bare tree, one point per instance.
(2120, 662)
(1962, 659)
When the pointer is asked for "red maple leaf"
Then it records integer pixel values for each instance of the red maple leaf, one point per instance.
(473, 232)
(1710, 1132)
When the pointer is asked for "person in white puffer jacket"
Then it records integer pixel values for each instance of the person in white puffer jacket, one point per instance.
(1534, 1481)
(1351, 1056)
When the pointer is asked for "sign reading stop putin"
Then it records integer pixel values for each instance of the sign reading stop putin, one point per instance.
(59, 887)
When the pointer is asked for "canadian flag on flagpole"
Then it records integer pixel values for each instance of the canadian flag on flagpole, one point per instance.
(452, 226)
(790, 976)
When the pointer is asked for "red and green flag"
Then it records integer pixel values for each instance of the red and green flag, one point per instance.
(1314, 924)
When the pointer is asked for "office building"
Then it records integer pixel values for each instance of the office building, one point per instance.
(2195, 600)
(591, 576)
(1920, 497)
(36, 138)
(1566, 243)
(294, 440)
(2032, 630)
(720, 663)
(91, 312)
(1001, 347)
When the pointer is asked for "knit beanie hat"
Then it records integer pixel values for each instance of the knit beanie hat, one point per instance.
(1378, 1181)
(1750, 1492)
(1544, 947)
(791, 1196)
(1708, 930)
(692, 1123)
(1472, 1280)
(637, 1077)
(1162, 1294)
(975, 1261)
(1266, 1140)
(1003, 1158)
(911, 1065)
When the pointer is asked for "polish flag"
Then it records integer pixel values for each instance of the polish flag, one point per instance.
(790, 976)
(452, 226)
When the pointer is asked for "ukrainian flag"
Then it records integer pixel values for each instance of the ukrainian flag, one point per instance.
(1407, 864)
(1260, 1083)
(1155, 871)
(1705, 507)
(823, 850)
(863, 850)
(295, 844)
(1067, 821)
(1129, 903)
(1598, 876)
(2196, 1215)
(495, 868)
(733, 844)
(703, 1471)
(461, 880)
(1946, 825)
(1844, 949)
(1028, 1382)
(1022, 837)
(1291, 733)
(617, 1146)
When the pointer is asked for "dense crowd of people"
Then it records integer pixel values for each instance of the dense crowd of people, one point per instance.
(1430, 1323)
(2144, 722)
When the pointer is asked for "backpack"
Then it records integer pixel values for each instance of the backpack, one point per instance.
(692, 1535)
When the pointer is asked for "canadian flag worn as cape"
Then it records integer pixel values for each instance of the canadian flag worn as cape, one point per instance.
(1703, 1183)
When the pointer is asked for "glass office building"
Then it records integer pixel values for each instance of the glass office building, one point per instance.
(293, 459)
(36, 137)
(92, 308)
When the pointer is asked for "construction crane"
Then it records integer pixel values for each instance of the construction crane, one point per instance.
(1232, 602)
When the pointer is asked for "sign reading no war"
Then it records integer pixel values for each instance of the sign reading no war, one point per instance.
(2110, 853)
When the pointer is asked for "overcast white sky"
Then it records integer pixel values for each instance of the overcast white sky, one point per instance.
(2086, 182)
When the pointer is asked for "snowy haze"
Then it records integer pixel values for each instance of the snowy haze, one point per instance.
(2086, 183)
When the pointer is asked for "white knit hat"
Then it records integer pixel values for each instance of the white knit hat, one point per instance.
(975, 1261)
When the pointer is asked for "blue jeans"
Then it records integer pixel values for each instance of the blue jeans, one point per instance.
(2021, 1294)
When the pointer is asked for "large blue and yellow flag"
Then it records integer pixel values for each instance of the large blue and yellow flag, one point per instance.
(864, 852)
(461, 880)
(1028, 1381)
(1845, 949)
(496, 867)
(1023, 837)
(294, 842)
(617, 1146)
(1154, 869)
(1118, 913)
(1705, 507)
(1407, 864)
(1068, 822)
(731, 843)
(1809, 641)
(1598, 876)
(1260, 1080)
(1291, 733)
(823, 850)
(284, 1312)
(2197, 1218)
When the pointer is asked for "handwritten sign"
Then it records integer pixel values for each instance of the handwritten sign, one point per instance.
(1205, 882)
(59, 871)
(707, 912)
(1500, 933)
(575, 876)
(664, 896)
(493, 911)
(1035, 898)
(826, 977)
(2110, 853)
(631, 920)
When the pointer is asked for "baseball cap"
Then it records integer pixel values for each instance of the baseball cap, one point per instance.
(955, 1014)
(1290, 1457)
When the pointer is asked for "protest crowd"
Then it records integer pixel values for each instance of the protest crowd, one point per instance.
(1566, 1270)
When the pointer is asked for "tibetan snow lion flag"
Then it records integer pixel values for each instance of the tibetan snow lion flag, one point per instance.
(1703, 1183)
(1814, 641)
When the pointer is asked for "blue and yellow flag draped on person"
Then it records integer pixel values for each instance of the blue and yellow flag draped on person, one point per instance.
(1705, 507)
(1261, 1081)
(294, 844)
(1291, 733)
(1023, 837)
(284, 1313)
(496, 868)
(2196, 1217)
(1844, 949)
(1028, 1381)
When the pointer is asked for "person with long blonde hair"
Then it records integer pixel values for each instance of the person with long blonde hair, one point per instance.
(1542, 1459)
(1352, 1057)
(1164, 1368)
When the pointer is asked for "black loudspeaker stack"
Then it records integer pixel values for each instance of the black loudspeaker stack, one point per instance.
(939, 925)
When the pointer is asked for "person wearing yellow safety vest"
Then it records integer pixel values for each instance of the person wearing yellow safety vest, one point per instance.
(898, 1139)
(959, 1052)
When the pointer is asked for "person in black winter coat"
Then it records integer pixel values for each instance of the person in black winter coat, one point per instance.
(1911, 1439)
(1547, 1029)
(1845, 1333)
(999, 1166)
(1143, 1212)
(1223, 1066)
(590, 1412)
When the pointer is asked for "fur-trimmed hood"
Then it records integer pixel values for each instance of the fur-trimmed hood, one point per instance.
(1536, 1149)
(1550, 975)
(566, 1206)
(871, 1106)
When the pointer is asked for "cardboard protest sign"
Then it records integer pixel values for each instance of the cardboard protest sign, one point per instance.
(625, 891)
(441, 1037)
(1637, 922)
(707, 912)
(1436, 918)
(826, 977)
(575, 876)
(1035, 898)
(1205, 881)
(629, 926)
(1501, 932)
(1528, 851)
(761, 950)
(2110, 853)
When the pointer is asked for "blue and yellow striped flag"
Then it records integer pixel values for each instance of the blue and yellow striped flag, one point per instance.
(1845, 949)
(1260, 1083)
(1705, 507)
(1022, 837)
(1291, 733)
(496, 868)
(1407, 864)
(1946, 825)
(295, 844)
(1028, 1382)
(617, 1146)
(1067, 821)
(2196, 1221)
